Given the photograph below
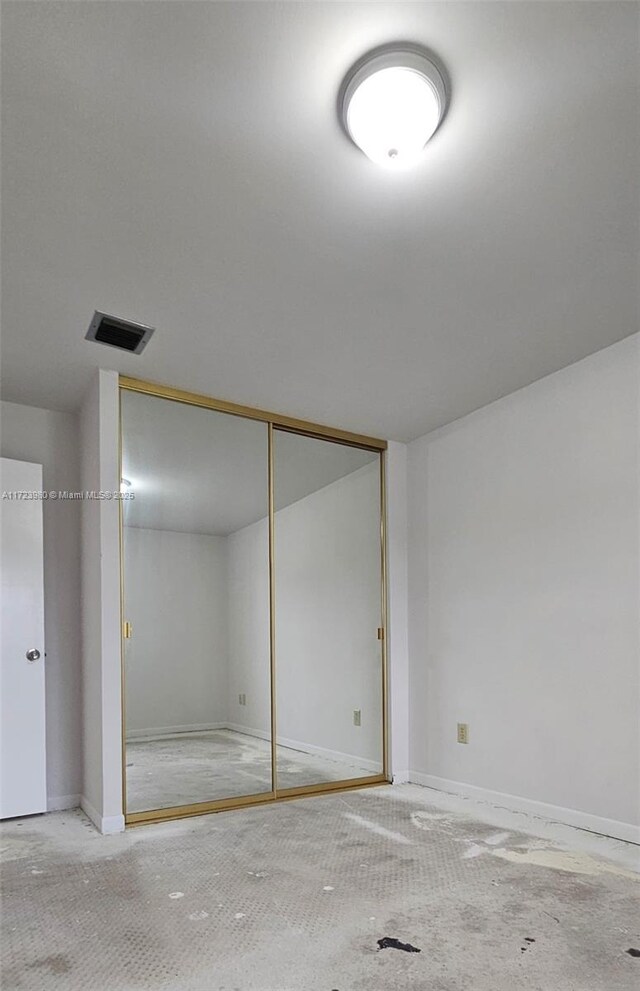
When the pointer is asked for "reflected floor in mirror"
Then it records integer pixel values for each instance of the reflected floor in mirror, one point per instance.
(208, 766)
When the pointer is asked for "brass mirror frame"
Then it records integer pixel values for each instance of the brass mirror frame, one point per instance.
(307, 429)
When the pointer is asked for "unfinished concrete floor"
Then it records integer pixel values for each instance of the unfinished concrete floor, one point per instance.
(295, 896)
(206, 766)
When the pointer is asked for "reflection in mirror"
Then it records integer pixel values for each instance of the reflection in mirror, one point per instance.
(328, 611)
(196, 596)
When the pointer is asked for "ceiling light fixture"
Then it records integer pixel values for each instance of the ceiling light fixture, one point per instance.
(391, 103)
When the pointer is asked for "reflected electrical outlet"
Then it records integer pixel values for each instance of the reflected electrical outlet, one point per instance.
(242, 699)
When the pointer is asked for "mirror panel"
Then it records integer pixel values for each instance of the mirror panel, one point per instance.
(195, 539)
(328, 597)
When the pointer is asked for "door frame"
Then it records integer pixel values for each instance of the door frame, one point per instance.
(304, 428)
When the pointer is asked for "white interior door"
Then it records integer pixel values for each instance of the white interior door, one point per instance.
(23, 788)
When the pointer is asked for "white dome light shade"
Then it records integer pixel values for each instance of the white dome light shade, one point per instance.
(392, 105)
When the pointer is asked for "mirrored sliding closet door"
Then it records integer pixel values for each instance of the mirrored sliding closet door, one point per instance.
(196, 609)
(328, 612)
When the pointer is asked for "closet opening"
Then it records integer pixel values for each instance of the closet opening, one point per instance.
(253, 606)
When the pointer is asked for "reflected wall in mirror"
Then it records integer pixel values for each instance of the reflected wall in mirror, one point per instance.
(197, 688)
(328, 605)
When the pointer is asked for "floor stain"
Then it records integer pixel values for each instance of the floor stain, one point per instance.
(56, 964)
(375, 827)
(389, 942)
(561, 860)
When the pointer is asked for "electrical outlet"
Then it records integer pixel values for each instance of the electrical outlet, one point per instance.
(357, 717)
(463, 732)
(242, 699)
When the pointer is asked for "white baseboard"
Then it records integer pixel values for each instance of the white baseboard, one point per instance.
(56, 803)
(308, 748)
(248, 731)
(401, 777)
(516, 803)
(104, 824)
(162, 732)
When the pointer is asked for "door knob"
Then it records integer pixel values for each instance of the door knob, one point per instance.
(33, 654)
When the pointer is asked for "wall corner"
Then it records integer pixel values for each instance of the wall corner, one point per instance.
(397, 606)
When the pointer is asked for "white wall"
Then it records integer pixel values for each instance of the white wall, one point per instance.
(397, 609)
(176, 662)
(100, 595)
(524, 595)
(91, 606)
(51, 439)
(327, 554)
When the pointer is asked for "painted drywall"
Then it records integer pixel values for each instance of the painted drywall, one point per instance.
(175, 597)
(51, 439)
(398, 615)
(91, 606)
(100, 595)
(327, 554)
(524, 594)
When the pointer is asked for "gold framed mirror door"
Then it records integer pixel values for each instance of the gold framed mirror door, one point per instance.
(199, 479)
(327, 576)
(253, 606)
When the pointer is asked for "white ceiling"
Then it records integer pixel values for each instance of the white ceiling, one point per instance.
(182, 165)
(200, 471)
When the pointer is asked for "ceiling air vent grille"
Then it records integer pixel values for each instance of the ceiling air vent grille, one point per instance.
(122, 334)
